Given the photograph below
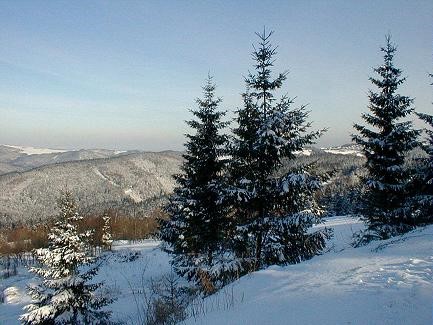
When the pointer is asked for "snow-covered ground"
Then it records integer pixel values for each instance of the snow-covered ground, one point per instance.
(343, 151)
(35, 151)
(123, 278)
(383, 283)
(304, 152)
(386, 282)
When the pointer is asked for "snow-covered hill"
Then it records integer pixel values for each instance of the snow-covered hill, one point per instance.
(19, 158)
(34, 151)
(95, 183)
(348, 149)
(105, 178)
(387, 282)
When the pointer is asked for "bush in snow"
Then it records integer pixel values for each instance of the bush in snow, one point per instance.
(66, 294)
(167, 301)
(385, 147)
(273, 213)
(106, 239)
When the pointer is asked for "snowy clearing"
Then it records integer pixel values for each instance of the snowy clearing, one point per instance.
(304, 152)
(35, 151)
(105, 178)
(387, 282)
(134, 195)
(341, 151)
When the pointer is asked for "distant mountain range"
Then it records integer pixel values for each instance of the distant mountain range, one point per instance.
(17, 158)
(31, 179)
(125, 180)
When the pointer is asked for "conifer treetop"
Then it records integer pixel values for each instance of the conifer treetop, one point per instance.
(386, 109)
(261, 83)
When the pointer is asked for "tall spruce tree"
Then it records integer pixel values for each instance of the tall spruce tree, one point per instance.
(385, 147)
(66, 294)
(424, 186)
(195, 230)
(274, 212)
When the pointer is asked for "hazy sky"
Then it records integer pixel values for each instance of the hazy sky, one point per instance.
(122, 74)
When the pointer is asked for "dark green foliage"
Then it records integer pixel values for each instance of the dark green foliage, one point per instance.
(272, 213)
(196, 228)
(423, 200)
(385, 147)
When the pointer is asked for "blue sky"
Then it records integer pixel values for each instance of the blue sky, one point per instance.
(123, 74)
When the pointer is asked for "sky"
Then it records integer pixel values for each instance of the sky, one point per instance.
(124, 74)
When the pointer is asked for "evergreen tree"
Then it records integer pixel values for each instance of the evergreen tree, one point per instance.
(424, 186)
(106, 238)
(66, 294)
(195, 230)
(273, 212)
(385, 147)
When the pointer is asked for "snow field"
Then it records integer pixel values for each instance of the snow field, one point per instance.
(383, 283)
(35, 151)
(388, 282)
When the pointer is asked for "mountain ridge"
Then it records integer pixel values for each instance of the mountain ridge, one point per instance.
(131, 180)
(97, 184)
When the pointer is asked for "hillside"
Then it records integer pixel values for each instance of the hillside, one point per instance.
(388, 282)
(103, 178)
(96, 183)
(17, 158)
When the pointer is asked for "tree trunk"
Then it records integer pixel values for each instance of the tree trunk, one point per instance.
(258, 250)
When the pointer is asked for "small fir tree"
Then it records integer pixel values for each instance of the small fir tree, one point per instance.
(106, 238)
(273, 212)
(195, 231)
(385, 147)
(66, 294)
